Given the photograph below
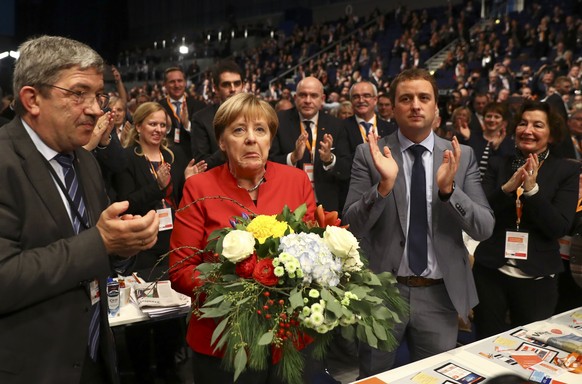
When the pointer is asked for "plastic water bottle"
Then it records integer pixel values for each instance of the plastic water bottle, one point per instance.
(113, 296)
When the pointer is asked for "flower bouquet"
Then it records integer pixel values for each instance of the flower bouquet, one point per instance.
(279, 284)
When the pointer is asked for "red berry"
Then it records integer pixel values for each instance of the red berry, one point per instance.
(267, 316)
(265, 307)
(281, 302)
(259, 312)
(271, 302)
(283, 316)
(266, 293)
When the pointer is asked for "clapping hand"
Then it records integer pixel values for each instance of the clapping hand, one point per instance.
(300, 145)
(525, 175)
(384, 163)
(195, 168)
(446, 173)
(163, 175)
(325, 147)
(101, 133)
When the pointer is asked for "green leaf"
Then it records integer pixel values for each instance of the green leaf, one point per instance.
(213, 312)
(266, 339)
(206, 268)
(372, 279)
(374, 299)
(240, 362)
(216, 300)
(218, 331)
(296, 299)
(300, 212)
(331, 303)
(379, 330)
(361, 291)
(370, 338)
(382, 313)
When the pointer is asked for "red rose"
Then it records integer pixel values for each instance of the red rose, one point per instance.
(246, 267)
(264, 273)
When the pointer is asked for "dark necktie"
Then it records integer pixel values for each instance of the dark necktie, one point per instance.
(79, 212)
(72, 185)
(366, 126)
(307, 125)
(178, 105)
(418, 223)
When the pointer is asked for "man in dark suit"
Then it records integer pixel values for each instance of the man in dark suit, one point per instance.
(227, 78)
(386, 112)
(411, 196)
(179, 108)
(315, 142)
(57, 235)
(563, 85)
(364, 97)
(480, 100)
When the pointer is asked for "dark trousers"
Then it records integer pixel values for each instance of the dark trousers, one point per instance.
(94, 372)
(526, 300)
(570, 293)
(164, 338)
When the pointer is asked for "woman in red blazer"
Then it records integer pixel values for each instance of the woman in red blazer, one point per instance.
(247, 183)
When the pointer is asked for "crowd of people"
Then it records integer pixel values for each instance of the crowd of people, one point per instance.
(403, 165)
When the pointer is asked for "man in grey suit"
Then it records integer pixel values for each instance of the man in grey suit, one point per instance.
(57, 234)
(416, 232)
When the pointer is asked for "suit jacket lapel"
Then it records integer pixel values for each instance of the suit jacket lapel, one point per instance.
(399, 190)
(42, 182)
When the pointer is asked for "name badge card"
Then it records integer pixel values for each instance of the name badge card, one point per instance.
(166, 221)
(94, 291)
(516, 245)
(177, 135)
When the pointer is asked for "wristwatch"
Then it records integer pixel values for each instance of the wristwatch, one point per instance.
(330, 160)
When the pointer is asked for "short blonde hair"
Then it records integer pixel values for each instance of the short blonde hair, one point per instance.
(247, 105)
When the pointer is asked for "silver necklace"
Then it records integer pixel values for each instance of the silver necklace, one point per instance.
(255, 187)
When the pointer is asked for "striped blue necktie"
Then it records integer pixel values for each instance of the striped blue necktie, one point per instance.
(78, 206)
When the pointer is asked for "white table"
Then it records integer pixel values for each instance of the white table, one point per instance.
(466, 357)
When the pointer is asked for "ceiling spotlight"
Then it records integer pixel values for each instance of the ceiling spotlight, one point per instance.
(183, 49)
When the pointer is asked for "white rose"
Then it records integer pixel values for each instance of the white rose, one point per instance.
(344, 245)
(238, 245)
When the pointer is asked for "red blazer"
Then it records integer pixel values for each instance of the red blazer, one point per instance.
(284, 185)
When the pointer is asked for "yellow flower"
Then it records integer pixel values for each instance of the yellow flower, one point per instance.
(263, 227)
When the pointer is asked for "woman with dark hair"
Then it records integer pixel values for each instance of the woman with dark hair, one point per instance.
(534, 196)
(494, 141)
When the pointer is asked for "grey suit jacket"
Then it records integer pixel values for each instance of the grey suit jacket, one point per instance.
(380, 223)
(44, 303)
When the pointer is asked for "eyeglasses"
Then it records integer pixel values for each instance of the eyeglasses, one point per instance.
(365, 96)
(84, 98)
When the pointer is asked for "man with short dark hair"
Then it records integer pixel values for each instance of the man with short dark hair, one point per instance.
(563, 86)
(179, 107)
(411, 196)
(58, 236)
(227, 81)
